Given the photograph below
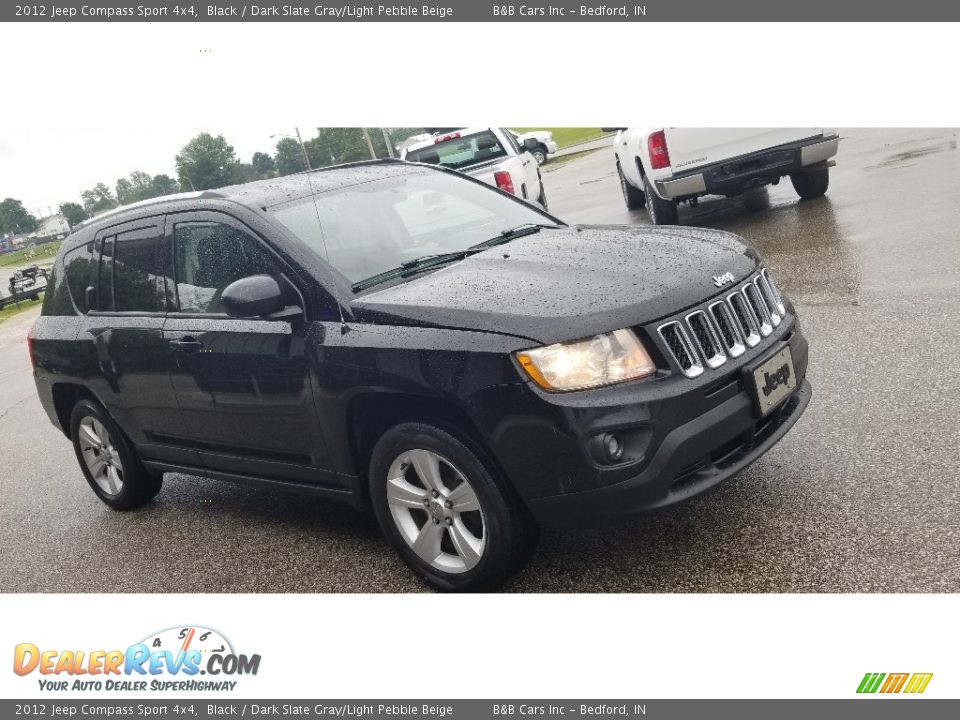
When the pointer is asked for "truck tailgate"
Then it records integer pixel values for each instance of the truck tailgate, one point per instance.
(692, 147)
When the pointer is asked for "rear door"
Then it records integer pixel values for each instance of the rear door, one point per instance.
(694, 147)
(242, 384)
(129, 364)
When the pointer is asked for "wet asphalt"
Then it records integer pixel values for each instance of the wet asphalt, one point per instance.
(861, 496)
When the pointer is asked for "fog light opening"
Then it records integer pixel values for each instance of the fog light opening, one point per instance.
(614, 446)
(608, 448)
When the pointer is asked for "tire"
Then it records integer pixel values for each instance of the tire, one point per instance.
(634, 199)
(660, 211)
(812, 184)
(124, 483)
(464, 550)
(539, 154)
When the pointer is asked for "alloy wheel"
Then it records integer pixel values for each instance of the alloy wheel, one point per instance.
(100, 455)
(436, 511)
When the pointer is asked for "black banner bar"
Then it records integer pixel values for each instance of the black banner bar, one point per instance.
(474, 10)
(873, 707)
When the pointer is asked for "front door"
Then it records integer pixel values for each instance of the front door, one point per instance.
(243, 385)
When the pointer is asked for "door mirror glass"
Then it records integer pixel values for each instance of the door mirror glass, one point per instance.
(253, 296)
(531, 144)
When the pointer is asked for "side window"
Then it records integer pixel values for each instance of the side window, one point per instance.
(208, 256)
(137, 271)
(80, 272)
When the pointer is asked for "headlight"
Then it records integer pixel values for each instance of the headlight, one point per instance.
(601, 360)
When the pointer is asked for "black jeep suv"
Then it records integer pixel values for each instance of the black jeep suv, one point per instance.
(403, 336)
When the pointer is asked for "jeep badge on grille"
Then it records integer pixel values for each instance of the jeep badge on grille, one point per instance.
(721, 280)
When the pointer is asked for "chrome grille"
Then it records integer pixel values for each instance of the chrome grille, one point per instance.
(727, 327)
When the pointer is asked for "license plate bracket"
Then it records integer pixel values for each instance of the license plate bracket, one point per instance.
(771, 380)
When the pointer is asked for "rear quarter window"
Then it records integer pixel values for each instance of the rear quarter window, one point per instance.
(80, 271)
(56, 298)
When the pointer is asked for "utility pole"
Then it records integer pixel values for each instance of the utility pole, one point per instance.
(386, 139)
(366, 136)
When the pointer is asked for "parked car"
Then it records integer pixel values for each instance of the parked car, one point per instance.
(405, 337)
(543, 145)
(661, 168)
(492, 155)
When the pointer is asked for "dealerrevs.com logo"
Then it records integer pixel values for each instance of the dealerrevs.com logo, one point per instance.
(176, 659)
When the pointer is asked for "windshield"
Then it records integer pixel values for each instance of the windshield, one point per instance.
(457, 152)
(364, 230)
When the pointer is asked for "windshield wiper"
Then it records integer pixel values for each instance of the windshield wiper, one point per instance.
(514, 233)
(410, 267)
(425, 262)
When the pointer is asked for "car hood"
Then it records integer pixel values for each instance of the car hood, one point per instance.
(566, 284)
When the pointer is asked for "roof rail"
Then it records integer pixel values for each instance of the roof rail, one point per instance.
(210, 194)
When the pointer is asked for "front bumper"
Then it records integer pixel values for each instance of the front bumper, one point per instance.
(552, 147)
(693, 459)
(682, 437)
(735, 175)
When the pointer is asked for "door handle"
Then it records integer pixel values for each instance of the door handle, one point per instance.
(186, 344)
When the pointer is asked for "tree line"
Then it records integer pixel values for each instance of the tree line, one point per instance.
(207, 162)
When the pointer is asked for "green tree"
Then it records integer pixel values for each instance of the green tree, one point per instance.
(98, 199)
(15, 219)
(73, 212)
(242, 173)
(340, 145)
(206, 162)
(289, 157)
(263, 165)
(164, 185)
(139, 186)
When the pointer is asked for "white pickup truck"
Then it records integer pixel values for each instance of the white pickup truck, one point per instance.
(492, 155)
(660, 168)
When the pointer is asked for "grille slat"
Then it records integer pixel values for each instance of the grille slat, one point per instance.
(726, 328)
(768, 297)
(678, 342)
(707, 339)
(749, 326)
(759, 308)
(777, 298)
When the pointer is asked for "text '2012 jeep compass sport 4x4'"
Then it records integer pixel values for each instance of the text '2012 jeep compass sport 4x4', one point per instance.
(402, 336)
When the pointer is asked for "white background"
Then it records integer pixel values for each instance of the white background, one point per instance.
(637, 646)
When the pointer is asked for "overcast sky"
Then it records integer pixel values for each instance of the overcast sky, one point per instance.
(44, 167)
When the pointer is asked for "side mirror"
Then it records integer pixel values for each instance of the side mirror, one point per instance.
(253, 296)
(530, 144)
